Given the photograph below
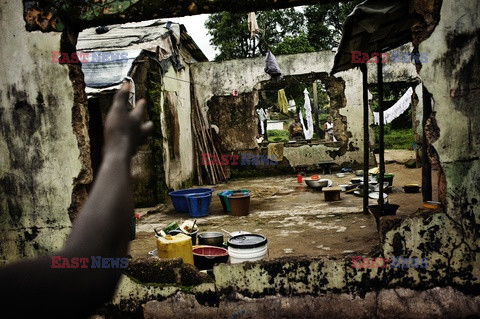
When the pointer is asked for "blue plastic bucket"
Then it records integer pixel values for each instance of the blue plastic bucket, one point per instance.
(198, 204)
(179, 199)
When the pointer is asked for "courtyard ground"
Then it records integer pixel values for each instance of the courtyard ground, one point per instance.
(295, 218)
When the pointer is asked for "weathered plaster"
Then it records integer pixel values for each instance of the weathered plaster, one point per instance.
(40, 156)
(248, 74)
(179, 170)
(454, 82)
(395, 71)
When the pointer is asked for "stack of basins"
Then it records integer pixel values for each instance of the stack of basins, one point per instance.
(195, 201)
(235, 202)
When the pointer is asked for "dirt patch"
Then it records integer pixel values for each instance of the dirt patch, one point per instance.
(295, 218)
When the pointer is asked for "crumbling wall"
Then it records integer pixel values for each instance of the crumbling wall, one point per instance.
(40, 156)
(448, 239)
(176, 128)
(236, 119)
(247, 75)
(451, 238)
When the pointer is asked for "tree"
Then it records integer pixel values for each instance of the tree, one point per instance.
(289, 45)
(231, 37)
(283, 31)
(325, 23)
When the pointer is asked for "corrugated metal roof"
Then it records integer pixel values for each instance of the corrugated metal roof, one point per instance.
(111, 54)
(139, 35)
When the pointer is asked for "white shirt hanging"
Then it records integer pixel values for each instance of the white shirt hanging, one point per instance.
(308, 115)
(252, 24)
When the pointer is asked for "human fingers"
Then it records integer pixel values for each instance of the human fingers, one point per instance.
(139, 110)
(147, 128)
(120, 100)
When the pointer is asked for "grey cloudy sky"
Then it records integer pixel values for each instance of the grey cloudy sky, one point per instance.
(196, 29)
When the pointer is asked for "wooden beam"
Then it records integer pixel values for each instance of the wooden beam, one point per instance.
(366, 137)
(315, 107)
(426, 166)
(78, 15)
(381, 135)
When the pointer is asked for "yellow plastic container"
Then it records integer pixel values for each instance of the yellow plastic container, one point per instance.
(178, 246)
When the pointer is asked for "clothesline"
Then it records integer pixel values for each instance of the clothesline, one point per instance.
(395, 110)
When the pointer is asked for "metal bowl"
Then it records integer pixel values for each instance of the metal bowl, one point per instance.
(316, 184)
(210, 238)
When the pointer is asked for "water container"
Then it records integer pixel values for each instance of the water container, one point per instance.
(239, 204)
(247, 247)
(178, 246)
(198, 204)
(224, 198)
(179, 198)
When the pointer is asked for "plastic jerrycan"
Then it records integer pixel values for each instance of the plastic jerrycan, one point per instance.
(177, 246)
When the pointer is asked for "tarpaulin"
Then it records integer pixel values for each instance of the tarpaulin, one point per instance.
(272, 68)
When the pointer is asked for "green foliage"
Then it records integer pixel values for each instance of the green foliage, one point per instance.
(277, 135)
(291, 45)
(284, 31)
(231, 37)
(395, 139)
(325, 23)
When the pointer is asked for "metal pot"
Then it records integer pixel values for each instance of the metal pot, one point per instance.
(316, 184)
(204, 257)
(210, 238)
(411, 188)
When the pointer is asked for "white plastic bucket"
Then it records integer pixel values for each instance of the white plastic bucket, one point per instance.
(238, 255)
(247, 247)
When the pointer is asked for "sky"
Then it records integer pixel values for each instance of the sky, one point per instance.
(196, 29)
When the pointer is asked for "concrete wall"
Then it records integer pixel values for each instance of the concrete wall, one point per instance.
(449, 238)
(179, 169)
(219, 79)
(39, 155)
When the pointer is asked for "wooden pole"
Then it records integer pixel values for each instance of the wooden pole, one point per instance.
(366, 137)
(381, 135)
(315, 107)
(426, 166)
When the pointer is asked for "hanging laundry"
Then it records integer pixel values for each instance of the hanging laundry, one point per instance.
(282, 101)
(395, 110)
(272, 68)
(308, 114)
(275, 152)
(262, 116)
(300, 116)
(252, 24)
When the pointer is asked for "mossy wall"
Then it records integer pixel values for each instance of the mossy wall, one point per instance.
(155, 109)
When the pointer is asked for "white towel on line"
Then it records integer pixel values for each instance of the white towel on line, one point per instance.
(395, 110)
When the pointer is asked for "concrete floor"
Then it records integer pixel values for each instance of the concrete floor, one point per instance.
(296, 219)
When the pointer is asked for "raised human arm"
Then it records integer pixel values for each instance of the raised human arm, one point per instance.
(101, 229)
